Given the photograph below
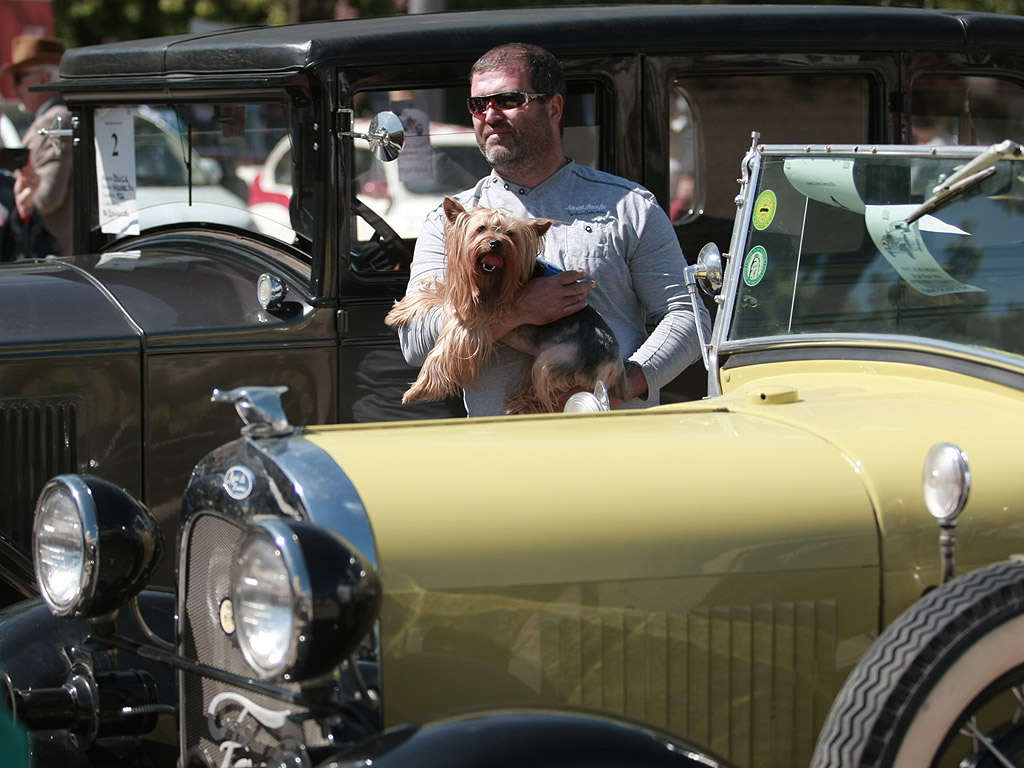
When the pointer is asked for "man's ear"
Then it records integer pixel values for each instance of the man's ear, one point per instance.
(452, 209)
(556, 107)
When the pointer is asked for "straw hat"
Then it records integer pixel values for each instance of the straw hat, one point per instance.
(32, 50)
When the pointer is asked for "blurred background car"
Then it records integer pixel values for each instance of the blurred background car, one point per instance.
(166, 168)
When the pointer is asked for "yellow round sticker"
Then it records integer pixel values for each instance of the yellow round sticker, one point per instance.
(764, 209)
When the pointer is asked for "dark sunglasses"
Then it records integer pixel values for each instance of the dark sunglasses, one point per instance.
(507, 100)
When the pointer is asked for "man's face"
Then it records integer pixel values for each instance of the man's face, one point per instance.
(25, 77)
(506, 136)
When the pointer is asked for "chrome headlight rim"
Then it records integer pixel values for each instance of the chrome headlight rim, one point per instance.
(75, 488)
(946, 482)
(279, 536)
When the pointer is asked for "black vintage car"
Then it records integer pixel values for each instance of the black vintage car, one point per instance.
(233, 226)
(237, 224)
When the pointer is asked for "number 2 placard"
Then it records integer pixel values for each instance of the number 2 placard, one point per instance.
(114, 130)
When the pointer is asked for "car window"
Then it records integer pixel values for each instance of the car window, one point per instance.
(176, 163)
(954, 109)
(440, 157)
(711, 120)
(160, 158)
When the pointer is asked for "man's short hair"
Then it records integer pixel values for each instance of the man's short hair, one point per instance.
(541, 67)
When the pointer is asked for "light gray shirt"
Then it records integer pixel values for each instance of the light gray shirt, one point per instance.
(615, 232)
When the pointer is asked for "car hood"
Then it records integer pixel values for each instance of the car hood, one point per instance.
(54, 303)
(792, 470)
(619, 496)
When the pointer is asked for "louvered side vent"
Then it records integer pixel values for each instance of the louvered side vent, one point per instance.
(38, 439)
(751, 682)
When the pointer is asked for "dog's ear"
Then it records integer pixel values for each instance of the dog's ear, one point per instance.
(541, 226)
(452, 209)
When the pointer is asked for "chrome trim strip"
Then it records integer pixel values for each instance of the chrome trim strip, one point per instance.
(334, 502)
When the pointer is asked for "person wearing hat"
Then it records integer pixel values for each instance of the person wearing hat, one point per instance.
(35, 60)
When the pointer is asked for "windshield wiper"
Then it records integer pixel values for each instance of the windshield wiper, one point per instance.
(966, 177)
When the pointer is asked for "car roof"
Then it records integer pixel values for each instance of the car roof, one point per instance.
(566, 31)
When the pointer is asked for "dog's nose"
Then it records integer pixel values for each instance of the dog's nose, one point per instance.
(495, 245)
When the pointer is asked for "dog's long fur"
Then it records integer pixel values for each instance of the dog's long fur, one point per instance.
(491, 256)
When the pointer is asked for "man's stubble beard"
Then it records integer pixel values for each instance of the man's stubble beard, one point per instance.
(511, 156)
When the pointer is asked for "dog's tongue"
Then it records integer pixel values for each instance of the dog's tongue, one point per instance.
(492, 260)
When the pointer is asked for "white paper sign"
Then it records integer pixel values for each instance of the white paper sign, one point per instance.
(114, 130)
(902, 246)
(416, 163)
(825, 179)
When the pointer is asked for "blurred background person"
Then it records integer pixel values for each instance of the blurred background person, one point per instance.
(35, 60)
(23, 235)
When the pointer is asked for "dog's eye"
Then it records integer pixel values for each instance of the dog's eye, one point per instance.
(481, 228)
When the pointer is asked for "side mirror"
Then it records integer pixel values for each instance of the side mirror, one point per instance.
(386, 136)
(708, 269)
(708, 273)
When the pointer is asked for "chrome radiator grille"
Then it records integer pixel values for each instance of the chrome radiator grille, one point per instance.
(38, 439)
(210, 545)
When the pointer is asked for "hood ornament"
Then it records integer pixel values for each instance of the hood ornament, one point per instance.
(260, 409)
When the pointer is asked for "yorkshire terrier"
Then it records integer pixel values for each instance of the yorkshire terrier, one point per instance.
(491, 256)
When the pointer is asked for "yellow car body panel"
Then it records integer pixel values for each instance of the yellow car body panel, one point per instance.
(587, 566)
(912, 408)
(601, 561)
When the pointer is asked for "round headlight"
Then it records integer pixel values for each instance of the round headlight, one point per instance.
(267, 590)
(95, 546)
(302, 597)
(65, 543)
(946, 482)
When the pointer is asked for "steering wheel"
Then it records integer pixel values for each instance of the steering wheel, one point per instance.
(384, 236)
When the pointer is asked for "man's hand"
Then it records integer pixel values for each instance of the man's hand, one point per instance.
(637, 383)
(26, 182)
(546, 299)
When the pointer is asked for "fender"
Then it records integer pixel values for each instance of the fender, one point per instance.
(17, 577)
(514, 738)
(35, 644)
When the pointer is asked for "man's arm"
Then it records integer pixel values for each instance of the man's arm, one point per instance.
(418, 337)
(544, 300)
(657, 267)
(51, 159)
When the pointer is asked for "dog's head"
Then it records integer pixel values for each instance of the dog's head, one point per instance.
(490, 252)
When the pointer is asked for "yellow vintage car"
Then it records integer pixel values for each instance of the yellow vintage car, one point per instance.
(709, 571)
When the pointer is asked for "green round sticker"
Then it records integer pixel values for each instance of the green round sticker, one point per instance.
(755, 265)
(764, 209)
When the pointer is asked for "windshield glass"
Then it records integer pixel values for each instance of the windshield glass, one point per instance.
(178, 163)
(829, 251)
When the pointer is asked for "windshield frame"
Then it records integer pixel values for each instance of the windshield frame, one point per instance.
(795, 345)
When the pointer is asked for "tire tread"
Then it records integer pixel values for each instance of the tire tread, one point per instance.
(897, 670)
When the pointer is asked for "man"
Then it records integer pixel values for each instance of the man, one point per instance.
(22, 232)
(34, 61)
(617, 247)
